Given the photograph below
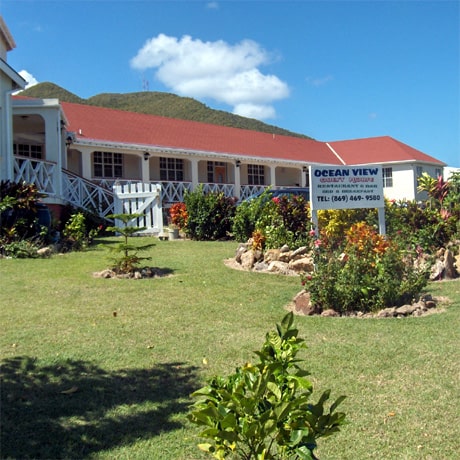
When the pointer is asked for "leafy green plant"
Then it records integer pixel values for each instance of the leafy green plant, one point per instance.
(247, 215)
(127, 258)
(262, 411)
(209, 215)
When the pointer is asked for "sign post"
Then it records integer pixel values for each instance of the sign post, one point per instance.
(347, 187)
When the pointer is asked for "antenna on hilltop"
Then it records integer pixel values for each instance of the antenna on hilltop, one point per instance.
(145, 84)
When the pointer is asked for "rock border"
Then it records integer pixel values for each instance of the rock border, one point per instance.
(141, 273)
(426, 305)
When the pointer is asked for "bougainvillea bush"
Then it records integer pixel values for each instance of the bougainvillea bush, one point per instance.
(366, 273)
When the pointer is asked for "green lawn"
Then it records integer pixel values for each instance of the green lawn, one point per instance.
(127, 354)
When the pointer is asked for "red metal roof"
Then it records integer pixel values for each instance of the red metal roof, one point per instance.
(103, 124)
(383, 149)
(123, 127)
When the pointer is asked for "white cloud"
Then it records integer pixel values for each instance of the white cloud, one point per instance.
(212, 5)
(216, 70)
(29, 78)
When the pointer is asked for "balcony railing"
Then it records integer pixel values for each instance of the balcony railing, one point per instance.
(38, 172)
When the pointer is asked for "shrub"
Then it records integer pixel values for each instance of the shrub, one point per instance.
(285, 221)
(247, 215)
(262, 411)
(18, 211)
(281, 220)
(367, 273)
(209, 215)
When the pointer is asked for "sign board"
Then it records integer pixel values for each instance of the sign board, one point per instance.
(346, 187)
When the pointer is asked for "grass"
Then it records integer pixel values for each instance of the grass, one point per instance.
(127, 354)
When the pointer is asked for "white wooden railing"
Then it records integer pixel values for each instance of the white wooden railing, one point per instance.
(87, 195)
(38, 172)
(248, 190)
(97, 196)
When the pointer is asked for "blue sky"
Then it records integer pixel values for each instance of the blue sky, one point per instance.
(333, 70)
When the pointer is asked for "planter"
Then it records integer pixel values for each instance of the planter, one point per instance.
(173, 233)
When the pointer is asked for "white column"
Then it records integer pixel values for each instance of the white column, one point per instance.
(272, 175)
(86, 163)
(194, 168)
(237, 189)
(145, 169)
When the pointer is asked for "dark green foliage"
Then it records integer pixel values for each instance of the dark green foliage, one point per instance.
(19, 221)
(262, 411)
(47, 90)
(209, 215)
(127, 258)
(247, 215)
(163, 104)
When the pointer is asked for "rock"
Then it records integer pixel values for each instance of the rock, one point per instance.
(389, 312)
(242, 248)
(437, 270)
(260, 266)
(450, 271)
(285, 256)
(299, 252)
(106, 274)
(44, 252)
(303, 304)
(247, 260)
(271, 255)
(277, 267)
(329, 313)
(305, 264)
(430, 304)
(284, 248)
(457, 263)
(406, 310)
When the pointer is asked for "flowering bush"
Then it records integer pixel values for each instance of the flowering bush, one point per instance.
(367, 273)
(178, 215)
(285, 220)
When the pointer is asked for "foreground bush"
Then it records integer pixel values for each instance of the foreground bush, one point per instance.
(263, 410)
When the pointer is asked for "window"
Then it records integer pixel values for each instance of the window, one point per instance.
(108, 164)
(419, 171)
(387, 177)
(171, 169)
(256, 175)
(28, 150)
(216, 171)
(438, 172)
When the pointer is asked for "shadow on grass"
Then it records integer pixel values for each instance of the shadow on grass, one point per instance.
(74, 408)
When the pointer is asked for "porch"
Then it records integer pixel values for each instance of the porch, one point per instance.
(66, 187)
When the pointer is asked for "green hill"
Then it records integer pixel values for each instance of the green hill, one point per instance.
(157, 103)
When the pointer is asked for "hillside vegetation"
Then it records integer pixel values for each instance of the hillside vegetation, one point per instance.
(158, 103)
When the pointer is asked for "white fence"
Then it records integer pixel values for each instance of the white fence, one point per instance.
(140, 198)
